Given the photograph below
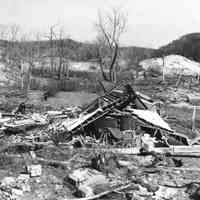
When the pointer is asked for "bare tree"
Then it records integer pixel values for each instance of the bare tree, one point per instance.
(3, 32)
(14, 32)
(110, 27)
(27, 57)
(51, 36)
(61, 52)
(12, 37)
(4, 41)
(10, 34)
(20, 56)
(59, 38)
(38, 39)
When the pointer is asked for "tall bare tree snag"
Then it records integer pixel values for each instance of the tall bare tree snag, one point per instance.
(58, 50)
(12, 47)
(61, 53)
(51, 38)
(14, 31)
(110, 27)
(11, 34)
(19, 55)
(38, 39)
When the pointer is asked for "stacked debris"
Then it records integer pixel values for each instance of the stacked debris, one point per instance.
(119, 116)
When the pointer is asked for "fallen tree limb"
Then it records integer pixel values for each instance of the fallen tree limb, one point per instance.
(103, 193)
(64, 164)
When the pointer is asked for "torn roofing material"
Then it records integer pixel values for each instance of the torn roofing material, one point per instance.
(114, 102)
(74, 123)
(152, 118)
(102, 106)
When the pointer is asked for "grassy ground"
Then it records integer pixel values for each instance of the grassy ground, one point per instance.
(35, 100)
(61, 99)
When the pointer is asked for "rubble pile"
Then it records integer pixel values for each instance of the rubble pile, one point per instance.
(117, 146)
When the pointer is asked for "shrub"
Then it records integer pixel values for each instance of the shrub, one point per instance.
(51, 88)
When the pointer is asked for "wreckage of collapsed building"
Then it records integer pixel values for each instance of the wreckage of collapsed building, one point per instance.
(121, 118)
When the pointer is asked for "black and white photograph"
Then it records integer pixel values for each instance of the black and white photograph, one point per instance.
(99, 100)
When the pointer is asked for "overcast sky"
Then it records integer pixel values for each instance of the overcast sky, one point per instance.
(151, 23)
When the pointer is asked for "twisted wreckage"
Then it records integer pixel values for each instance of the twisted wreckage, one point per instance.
(120, 118)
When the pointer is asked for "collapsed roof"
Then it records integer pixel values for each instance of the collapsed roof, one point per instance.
(118, 103)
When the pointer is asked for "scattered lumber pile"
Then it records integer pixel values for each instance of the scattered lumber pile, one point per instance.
(112, 116)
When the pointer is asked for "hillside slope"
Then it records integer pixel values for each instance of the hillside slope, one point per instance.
(187, 46)
(73, 50)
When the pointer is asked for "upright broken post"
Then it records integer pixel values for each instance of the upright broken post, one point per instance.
(179, 80)
(163, 74)
(193, 118)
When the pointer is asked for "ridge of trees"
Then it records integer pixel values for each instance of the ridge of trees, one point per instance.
(187, 46)
(81, 51)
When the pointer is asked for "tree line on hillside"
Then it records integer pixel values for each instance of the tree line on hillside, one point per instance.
(74, 50)
(55, 44)
(106, 49)
(187, 46)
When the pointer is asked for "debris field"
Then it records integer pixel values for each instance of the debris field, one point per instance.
(116, 147)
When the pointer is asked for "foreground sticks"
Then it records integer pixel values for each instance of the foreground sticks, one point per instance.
(104, 193)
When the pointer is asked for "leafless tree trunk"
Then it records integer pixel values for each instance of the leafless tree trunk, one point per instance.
(60, 39)
(60, 53)
(110, 27)
(10, 34)
(38, 39)
(51, 36)
(21, 55)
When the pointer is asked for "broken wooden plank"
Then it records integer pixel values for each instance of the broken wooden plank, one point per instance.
(180, 151)
(103, 193)
(197, 169)
(64, 164)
